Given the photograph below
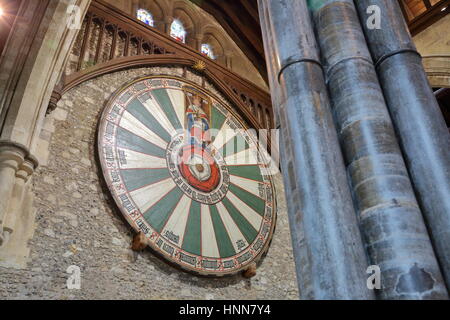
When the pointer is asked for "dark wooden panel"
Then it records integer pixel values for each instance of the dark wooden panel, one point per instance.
(420, 14)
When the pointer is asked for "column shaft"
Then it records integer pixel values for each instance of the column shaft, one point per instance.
(7, 178)
(13, 157)
(390, 218)
(16, 203)
(272, 63)
(423, 135)
(10, 159)
(330, 259)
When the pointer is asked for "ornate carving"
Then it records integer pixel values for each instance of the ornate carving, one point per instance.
(195, 176)
(157, 48)
(56, 94)
(199, 65)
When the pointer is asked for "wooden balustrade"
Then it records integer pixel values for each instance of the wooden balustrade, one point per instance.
(111, 40)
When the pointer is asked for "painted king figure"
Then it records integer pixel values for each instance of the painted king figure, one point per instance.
(198, 123)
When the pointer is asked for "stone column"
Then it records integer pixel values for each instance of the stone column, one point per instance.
(390, 219)
(198, 41)
(423, 135)
(330, 259)
(272, 63)
(229, 56)
(23, 174)
(18, 226)
(31, 65)
(167, 24)
(12, 156)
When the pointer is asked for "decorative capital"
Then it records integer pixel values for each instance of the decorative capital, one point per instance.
(54, 99)
(26, 169)
(16, 155)
(11, 154)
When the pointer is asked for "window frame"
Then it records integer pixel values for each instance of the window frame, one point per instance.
(184, 32)
(210, 53)
(149, 14)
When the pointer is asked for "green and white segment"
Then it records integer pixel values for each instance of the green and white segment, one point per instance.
(214, 238)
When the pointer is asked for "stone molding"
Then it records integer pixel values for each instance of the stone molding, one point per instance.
(13, 151)
(16, 163)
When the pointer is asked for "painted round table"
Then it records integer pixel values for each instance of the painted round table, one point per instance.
(185, 171)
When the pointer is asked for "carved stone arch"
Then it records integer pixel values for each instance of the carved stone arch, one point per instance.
(156, 10)
(190, 18)
(218, 42)
(216, 46)
(164, 5)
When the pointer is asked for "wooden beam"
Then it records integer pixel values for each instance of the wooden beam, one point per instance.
(85, 41)
(100, 40)
(112, 54)
(240, 25)
(429, 17)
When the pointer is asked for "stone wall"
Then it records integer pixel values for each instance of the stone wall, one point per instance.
(434, 40)
(77, 223)
(433, 44)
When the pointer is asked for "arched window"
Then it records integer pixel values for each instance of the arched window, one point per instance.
(146, 17)
(177, 31)
(207, 51)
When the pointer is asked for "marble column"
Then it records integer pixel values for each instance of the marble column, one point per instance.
(421, 129)
(390, 219)
(330, 258)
